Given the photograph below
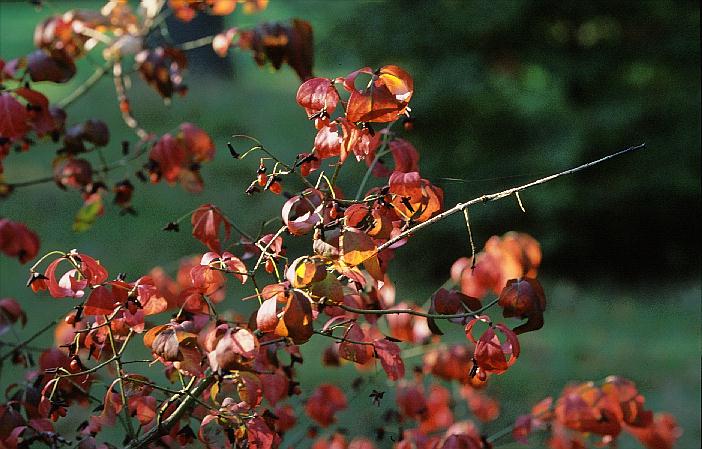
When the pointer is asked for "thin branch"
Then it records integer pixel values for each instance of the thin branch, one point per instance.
(366, 176)
(120, 372)
(499, 195)
(85, 87)
(264, 250)
(437, 316)
(123, 101)
(519, 200)
(260, 147)
(113, 166)
(5, 344)
(197, 43)
(36, 335)
(127, 378)
(342, 339)
(470, 238)
(166, 425)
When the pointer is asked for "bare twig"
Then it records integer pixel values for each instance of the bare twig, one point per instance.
(123, 100)
(470, 238)
(499, 195)
(264, 250)
(437, 316)
(85, 87)
(166, 425)
(36, 335)
(142, 146)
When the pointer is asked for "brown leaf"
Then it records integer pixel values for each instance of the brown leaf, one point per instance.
(57, 67)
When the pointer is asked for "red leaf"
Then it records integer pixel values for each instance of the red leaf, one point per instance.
(259, 435)
(413, 197)
(524, 298)
(357, 140)
(143, 408)
(279, 42)
(326, 400)
(358, 353)
(327, 142)
(663, 432)
(162, 67)
(491, 355)
(170, 156)
(481, 405)
(231, 348)
(410, 400)
(267, 315)
(73, 172)
(91, 269)
(585, 408)
(10, 313)
(405, 155)
(207, 280)
(197, 143)
(16, 240)
(317, 95)
(302, 212)
(275, 386)
(385, 100)
(13, 117)
(389, 354)
(100, 302)
(296, 321)
(206, 221)
(39, 116)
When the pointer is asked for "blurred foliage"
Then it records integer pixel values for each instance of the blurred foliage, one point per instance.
(530, 87)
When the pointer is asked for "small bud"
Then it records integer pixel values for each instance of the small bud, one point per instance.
(232, 151)
(125, 147)
(171, 226)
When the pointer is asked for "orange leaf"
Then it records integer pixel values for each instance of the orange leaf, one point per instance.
(356, 247)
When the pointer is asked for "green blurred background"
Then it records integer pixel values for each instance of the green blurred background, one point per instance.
(505, 92)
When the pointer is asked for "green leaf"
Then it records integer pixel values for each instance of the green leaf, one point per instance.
(86, 215)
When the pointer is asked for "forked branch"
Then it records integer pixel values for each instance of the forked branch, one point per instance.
(189, 400)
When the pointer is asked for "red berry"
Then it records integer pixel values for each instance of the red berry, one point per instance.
(276, 188)
(75, 365)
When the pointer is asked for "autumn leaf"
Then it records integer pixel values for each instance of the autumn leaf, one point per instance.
(389, 354)
(317, 95)
(101, 301)
(17, 240)
(524, 298)
(360, 352)
(207, 221)
(323, 404)
(13, 117)
(384, 100)
(356, 247)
